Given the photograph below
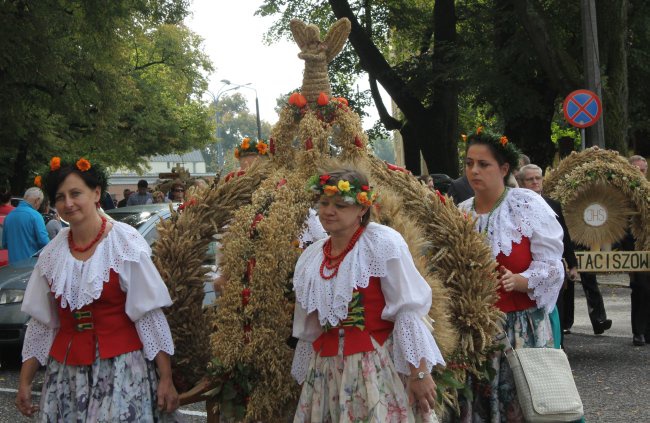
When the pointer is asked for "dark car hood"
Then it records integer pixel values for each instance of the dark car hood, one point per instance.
(15, 276)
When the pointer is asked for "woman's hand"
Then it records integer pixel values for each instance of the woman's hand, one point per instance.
(512, 281)
(24, 401)
(167, 396)
(422, 392)
(24, 396)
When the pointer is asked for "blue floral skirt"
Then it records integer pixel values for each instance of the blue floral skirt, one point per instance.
(496, 401)
(119, 389)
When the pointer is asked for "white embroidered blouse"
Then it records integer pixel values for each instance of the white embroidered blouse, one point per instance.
(78, 283)
(525, 213)
(381, 252)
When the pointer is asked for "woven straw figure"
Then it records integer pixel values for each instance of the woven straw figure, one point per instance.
(317, 54)
(262, 213)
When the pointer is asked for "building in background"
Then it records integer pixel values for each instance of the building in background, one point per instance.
(122, 178)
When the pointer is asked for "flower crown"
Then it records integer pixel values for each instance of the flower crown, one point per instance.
(55, 164)
(249, 146)
(500, 142)
(351, 192)
(83, 165)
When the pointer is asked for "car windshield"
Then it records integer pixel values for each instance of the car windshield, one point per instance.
(133, 218)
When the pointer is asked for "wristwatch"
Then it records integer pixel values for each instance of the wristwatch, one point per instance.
(420, 375)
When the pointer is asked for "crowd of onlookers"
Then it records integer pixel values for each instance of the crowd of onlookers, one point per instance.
(174, 193)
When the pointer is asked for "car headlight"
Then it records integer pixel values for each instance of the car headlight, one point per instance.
(8, 296)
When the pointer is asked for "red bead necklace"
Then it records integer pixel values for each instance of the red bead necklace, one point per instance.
(73, 247)
(331, 262)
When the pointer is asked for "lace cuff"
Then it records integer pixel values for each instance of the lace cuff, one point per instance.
(154, 334)
(38, 341)
(301, 359)
(545, 278)
(412, 342)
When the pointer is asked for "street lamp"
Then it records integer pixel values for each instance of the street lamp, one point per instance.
(215, 99)
(257, 104)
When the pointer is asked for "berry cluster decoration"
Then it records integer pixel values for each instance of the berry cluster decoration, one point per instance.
(325, 106)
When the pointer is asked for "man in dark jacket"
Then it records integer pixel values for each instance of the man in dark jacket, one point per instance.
(531, 177)
(460, 190)
(639, 281)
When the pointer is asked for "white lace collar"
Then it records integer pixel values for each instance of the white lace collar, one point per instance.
(368, 258)
(521, 213)
(79, 283)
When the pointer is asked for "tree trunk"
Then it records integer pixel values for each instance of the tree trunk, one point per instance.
(20, 171)
(613, 32)
(533, 134)
(561, 69)
(444, 107)
(416, 128)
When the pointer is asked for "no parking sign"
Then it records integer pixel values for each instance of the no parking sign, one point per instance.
(582, 108)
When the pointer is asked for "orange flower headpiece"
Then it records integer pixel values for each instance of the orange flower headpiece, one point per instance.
(55, 163)
(248, 147)
(83, 165)
(49, 180)
(351, 191)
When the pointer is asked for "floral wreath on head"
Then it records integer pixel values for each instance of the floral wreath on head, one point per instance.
(352, 192)
(82, 165)
(500, 143)
(248, 147)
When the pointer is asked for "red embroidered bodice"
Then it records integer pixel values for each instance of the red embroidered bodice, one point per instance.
(363, 322)
(103, 322)
(518, 261)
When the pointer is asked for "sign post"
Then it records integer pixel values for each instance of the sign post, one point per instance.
(582, 109)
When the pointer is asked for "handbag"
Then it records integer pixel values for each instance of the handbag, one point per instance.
(545, 386)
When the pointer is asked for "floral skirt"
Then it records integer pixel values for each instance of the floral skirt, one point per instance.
(119, 389)
(362, 387)
(496, 401)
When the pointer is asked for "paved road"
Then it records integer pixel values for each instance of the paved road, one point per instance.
(611, 374)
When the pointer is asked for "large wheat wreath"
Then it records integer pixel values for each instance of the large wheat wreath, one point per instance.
(604, 177)
(240, 353)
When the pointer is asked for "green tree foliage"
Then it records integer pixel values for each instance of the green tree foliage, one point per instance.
(235, 123)
(512, 62)
(639, 75)
(111, 81)
(384, 149)
(394, 44)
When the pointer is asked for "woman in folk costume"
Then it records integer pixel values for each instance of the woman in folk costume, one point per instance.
(95, 300)
(526, 241)
(246, 153)
(364, 353)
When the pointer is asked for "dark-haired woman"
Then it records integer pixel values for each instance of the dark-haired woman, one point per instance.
(364, 353)
(95, 302)
(5, 203)
(526, 241)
